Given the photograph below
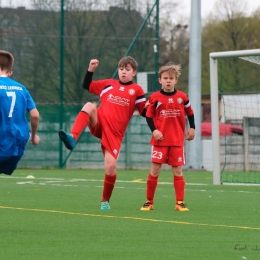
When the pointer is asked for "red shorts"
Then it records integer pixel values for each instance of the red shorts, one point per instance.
(109, 141)
(172, 155)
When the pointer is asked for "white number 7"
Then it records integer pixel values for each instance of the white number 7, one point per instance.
(13, 96)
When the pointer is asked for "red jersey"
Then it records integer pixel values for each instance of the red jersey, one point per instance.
(118, 102)
(168, 111)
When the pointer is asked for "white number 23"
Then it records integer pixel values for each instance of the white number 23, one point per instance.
(157, 155)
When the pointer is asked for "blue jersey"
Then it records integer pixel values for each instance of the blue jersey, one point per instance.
(15, 102)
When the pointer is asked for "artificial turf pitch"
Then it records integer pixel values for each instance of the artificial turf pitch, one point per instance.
(55, 214)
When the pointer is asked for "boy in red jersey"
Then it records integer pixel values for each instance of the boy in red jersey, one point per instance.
(166, 118)
(118, 100)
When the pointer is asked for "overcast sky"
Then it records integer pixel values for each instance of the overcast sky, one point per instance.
(208, 5)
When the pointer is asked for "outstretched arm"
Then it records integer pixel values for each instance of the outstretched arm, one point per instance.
(145, 108)
(93, 64)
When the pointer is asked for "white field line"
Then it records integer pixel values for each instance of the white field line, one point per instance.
(57, 180)
(68, 183)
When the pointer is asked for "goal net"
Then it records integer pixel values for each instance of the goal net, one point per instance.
(235, 107)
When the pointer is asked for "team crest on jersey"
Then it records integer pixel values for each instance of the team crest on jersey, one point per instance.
(122, 88)
(131, 91)
(170, 100)
(179, 100)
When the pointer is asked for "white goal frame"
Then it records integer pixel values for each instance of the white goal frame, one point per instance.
(213, 62)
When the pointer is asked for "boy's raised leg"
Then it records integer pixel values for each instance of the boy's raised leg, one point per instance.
(67, 139)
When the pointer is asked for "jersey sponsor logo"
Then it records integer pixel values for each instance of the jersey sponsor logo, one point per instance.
(170, 113)
(122, 88)
(131, 91)
(118, 100)
(170, 100)
(179, 100)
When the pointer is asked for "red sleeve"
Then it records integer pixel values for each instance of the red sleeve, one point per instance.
(140, 100)
(189, 110)
(151, 108)
(96, 87)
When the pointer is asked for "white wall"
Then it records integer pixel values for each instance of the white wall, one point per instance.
(207, 161)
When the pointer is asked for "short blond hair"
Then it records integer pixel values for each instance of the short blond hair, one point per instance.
(171, 68)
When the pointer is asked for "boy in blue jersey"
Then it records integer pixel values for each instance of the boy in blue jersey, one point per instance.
(15, 100)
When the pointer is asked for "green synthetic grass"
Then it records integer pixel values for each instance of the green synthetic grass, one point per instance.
(56, 215)
(252, 177)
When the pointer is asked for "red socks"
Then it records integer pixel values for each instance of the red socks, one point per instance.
(109, 183)
(151, 185)
(179, 184)
(79, 125)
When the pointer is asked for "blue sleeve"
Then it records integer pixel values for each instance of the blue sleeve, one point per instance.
(30, 103)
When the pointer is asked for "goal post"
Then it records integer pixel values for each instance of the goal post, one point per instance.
(234, 77)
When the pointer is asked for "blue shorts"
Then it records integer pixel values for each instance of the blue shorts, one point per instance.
(9, 163)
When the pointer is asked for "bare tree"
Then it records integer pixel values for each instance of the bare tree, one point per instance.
(228, 29)
(174, 43)
(92, 29)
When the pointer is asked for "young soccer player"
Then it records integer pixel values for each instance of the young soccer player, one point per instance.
(118, 100)
(166, 118)
(15, 100)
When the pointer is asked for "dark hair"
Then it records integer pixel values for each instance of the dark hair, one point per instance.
(6, 60)
(128, 60)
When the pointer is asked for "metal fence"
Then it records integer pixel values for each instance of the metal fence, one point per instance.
(135, 152)
(52, 43)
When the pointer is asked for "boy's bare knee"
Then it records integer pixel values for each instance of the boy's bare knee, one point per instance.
(89, 108)
(177, 171)
(88, 105)
(155, 169)
(110, 168)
